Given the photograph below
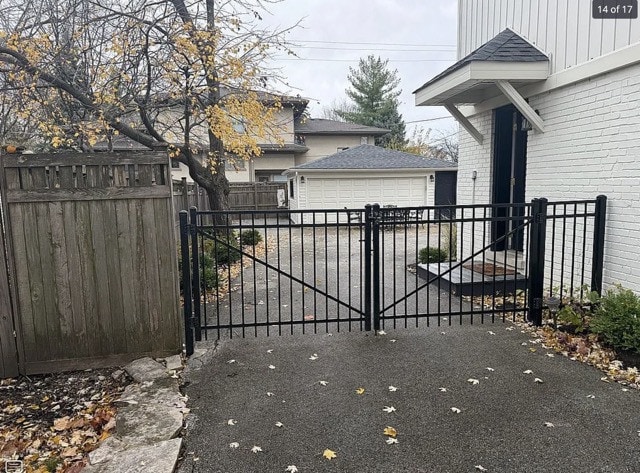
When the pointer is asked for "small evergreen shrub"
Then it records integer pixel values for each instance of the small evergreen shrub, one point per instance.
(225, 250)
(617, 319)
(250, 238)
(432, 255)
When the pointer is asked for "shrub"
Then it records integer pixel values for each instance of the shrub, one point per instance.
(617, 319)
(225, 250)
(250, 238)
(432, 255)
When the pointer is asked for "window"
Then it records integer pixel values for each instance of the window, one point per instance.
(364, 140)
(292, 192)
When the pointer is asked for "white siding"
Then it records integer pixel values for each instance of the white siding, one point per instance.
(564, 28)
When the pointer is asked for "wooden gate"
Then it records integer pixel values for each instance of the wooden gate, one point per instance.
(95, 264)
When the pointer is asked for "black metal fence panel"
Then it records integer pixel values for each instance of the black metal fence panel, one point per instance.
(283, 272)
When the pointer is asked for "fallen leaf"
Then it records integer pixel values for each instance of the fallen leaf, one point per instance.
(393, 340)
(509, 329)
(309, 316)
(390, 432)
(473, 381)
(528, 372)
(329, 454)
(234, 445)
(443, 390)
(480, 468)
(533, 350)
(279, 424)
(443, 333)
(389, 409)
(232, 422)
(490, 332)
(323, 383)
(231, 361)
(456, 410)
(591, 396)
(292, 469)
(314, 357)
(270, 394)
(381, 332)
(490, 369)
(548, 424)
(550, 355)
(62, 423)
(538, 380)
(256, 449)
(524, 344)
(271, 367)
(270, 350)
(393, 389)
(360, 391)
(391, 441)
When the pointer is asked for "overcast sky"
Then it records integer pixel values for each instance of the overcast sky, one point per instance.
(321, 74)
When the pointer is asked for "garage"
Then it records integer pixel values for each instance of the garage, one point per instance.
(365, 174)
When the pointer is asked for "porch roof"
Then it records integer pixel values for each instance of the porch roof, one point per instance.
(507, 57)
(499, 66)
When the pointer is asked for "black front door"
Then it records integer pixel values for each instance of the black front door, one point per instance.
(509, 171)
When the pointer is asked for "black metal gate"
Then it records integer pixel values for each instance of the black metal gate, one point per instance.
(274, 272)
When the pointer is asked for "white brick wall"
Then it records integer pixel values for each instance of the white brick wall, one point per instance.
(591, 146)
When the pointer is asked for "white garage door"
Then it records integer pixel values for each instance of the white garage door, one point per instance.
(357, 192)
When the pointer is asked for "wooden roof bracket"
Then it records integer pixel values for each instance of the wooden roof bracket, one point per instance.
(464, 122)
(521, 104)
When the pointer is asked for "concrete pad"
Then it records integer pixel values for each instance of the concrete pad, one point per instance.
(147, 423)
(157, 458)
(145, 369)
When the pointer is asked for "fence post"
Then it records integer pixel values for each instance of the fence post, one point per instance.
(597, 260)
(367, 267)
(186, 282)
(185, 194)
(375, 231)
(537, 240)
(196, 272)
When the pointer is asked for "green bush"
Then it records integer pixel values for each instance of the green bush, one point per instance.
(617, 319)
(250, 238)
(225, 251)
(432, 255)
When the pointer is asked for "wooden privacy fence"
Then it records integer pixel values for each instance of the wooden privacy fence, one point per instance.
(243, 196)
(92, 257)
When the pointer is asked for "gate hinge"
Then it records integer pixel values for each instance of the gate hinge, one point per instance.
(537, 303)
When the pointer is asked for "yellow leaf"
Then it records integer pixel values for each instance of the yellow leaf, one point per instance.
(390, 432)
(360, 391)
(329, 454)
(63, 423)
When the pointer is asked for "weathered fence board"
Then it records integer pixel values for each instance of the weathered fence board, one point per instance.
(242, 196)
(95, 259)
(8, 350)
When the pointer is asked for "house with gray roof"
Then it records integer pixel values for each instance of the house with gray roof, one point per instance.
(368, 174)
(547, 95)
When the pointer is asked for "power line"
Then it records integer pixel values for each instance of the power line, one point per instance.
(375, 49)
(429, 119)
(377, 44)
(356, 60)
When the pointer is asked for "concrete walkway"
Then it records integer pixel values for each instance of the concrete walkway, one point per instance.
(593, 426)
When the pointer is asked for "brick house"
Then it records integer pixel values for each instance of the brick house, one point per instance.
(548, 100)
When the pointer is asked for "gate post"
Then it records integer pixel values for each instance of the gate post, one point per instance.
(537, 240)
(367, 267)
(375, 231)
(597, 259)
(193, 219)
(186, 282)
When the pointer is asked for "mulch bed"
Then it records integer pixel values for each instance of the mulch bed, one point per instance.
(51, 422)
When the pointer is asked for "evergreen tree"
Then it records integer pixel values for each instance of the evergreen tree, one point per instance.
(374, 92)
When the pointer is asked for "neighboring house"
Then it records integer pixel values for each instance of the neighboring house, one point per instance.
(549, 100)
(367, 174)
(301, 140)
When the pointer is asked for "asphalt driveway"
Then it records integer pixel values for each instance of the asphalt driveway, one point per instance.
(570, 422)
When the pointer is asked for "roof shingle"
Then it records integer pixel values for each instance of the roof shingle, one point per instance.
(375, 157)
(322, 126)
(508, 46)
